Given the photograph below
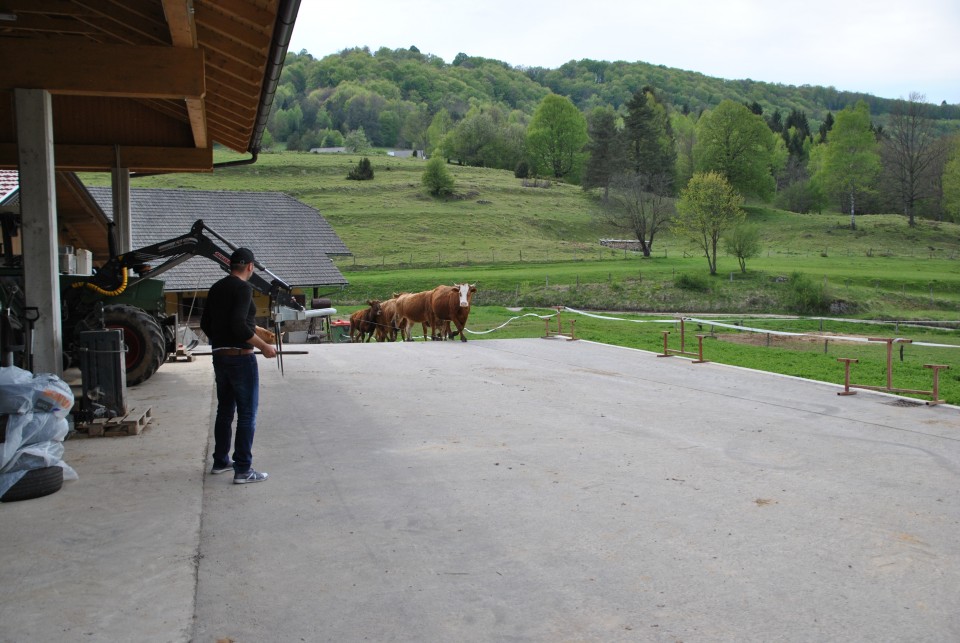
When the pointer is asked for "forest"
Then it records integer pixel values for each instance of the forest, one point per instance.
(629, 128)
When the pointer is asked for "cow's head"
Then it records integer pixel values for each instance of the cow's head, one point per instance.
(374, 307)
(465, 291)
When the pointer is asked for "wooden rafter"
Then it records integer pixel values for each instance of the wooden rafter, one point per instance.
(183, 34)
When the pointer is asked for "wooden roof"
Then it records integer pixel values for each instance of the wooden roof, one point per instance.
(148, 85)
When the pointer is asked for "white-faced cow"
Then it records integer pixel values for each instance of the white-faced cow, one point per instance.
(451, 304)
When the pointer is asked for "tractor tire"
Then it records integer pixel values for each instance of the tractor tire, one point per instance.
(143, 340)
(35, 484)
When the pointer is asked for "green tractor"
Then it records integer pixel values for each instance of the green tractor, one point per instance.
(111, 298)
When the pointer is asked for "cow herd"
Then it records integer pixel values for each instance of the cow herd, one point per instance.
(432, 309)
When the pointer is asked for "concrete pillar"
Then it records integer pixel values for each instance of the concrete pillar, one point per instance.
(120, 187)
(38, 208)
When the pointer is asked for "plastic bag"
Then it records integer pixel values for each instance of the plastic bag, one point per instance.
(30, 428)
(16, 391)
(21, 392)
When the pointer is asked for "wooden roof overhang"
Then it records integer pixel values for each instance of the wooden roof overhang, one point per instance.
(148, 85)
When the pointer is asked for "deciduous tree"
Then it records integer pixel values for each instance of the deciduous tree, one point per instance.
(684, 128)
(912, 154)
(638, 206)
(439, 126)
(850, 160)
(951, 182)
(556, 136)
(356, 141)
(743, 242)
(708, 207)
(486, 138)
(737, 144)
(436, 178)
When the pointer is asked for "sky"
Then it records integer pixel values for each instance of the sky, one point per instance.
(886, 48)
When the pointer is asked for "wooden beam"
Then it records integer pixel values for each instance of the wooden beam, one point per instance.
(103, 70)
(183, 33)
(102, 158)
(180, 19)
(198, 121)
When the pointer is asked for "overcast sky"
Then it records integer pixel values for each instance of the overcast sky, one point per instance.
(882, 47)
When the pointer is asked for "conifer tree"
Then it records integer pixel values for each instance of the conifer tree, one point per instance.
(605, 150)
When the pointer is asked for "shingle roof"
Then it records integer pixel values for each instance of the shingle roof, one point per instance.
(9, 182)
(288, 237)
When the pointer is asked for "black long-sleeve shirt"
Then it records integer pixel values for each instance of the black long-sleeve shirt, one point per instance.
(229, 318)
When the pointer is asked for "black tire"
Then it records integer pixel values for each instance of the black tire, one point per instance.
(142, 338)
(35, 484)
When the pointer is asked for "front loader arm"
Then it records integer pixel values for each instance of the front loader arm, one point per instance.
(111, 278)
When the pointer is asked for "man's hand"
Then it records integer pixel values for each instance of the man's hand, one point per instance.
(266, 335)
(269, 351)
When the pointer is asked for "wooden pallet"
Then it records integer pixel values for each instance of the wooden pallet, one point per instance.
(130, 424)
(182, 355)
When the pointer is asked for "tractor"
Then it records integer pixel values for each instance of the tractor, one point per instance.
(112, 298)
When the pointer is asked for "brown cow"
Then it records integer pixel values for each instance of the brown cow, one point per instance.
(451, 304)
(363, 323)
(413, 308)
(387, 327)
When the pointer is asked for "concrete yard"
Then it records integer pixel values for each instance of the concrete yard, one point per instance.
(501, 490)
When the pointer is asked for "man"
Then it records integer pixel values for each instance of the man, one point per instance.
(229, 323)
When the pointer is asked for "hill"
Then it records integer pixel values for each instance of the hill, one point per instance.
(393, 94)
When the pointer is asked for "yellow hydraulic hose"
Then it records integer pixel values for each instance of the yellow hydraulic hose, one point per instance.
(99, 290)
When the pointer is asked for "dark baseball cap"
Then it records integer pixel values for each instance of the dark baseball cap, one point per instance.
(242, 256)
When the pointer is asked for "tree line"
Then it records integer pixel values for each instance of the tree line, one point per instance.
(393, 94)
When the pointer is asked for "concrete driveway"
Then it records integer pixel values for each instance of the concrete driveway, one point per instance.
(530, 490)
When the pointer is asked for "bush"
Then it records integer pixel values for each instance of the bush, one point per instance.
(802, 197)
(806, 297)
(356, 142)
(363, 171)
(696, 283)
(522, 171)
(436, 178)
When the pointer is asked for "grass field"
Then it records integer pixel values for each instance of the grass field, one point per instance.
(538, 247)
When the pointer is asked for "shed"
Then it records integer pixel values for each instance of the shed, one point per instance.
(290, 238)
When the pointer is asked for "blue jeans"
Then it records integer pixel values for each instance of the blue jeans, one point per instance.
(238, 392)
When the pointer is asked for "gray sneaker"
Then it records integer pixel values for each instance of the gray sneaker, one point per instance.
(249, 476)
(218, 468)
